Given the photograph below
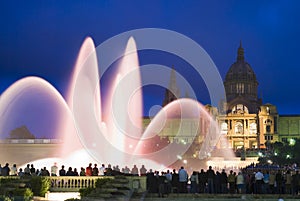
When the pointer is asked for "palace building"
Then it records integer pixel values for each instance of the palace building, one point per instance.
(247, 122)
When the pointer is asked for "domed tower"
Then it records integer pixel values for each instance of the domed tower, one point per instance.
(241, 86)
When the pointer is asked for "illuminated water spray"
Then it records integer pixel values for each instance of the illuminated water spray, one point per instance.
(108, 128)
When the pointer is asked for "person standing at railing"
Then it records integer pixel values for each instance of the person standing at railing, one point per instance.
(14, 170)
(102, 170)
(95, 171)
(70, 172)
(62, 171)
(20, 173)
(32, 170)
(135, 171)
(82, 171)
(54, 169)
(27, 170)
(143, 171)
(126, 170)
(5, 170)
(44, 172)
(108, 170)
(75, 172)
(89, 170)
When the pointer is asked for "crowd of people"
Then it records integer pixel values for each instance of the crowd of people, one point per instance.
(250, 180)
(90, 170)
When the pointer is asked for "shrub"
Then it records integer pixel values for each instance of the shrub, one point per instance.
(40, 185)
(84, 192)
(101, 182)
(23, 194)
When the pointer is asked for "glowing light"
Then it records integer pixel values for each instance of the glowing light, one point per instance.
(61, 196)
(288, 156)
(292, 142)
(260, 154)
(179, 157)
(185, 161)
(275, 154)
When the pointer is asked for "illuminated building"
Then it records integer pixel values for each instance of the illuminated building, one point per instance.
(244, 120)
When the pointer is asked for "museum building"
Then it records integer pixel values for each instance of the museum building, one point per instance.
(243, 118)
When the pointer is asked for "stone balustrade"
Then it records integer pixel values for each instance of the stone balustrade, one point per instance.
(74, 183)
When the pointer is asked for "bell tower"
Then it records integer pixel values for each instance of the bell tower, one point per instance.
(172, 93)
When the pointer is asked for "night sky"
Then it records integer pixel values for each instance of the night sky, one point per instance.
(43, 38)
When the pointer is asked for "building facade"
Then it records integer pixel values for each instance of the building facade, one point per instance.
(246, 122)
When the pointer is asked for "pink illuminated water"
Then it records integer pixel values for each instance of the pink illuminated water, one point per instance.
(115, 136)
(30, 101)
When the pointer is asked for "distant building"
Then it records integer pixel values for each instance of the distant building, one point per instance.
(245, 121)
(21, 133)
(288, 128)
(172, 93)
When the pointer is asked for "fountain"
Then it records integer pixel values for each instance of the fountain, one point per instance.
(106, 127)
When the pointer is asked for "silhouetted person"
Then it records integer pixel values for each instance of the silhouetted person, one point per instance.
(82, 171)
(70, 172)
(62, 171)
(95, 170)
(32, 170)
(202, 178)
(224, 181)
(210, 173)
(5, 170)
(183, 179)
(89, 170)
(44, 172)
(175, 181)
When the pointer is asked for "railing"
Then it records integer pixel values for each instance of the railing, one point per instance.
(74, 183)
(31, 141)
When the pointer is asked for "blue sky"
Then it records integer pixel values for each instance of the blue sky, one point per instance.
(43, 38)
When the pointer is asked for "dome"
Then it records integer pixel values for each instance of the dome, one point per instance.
(240, 70)
(241, 84)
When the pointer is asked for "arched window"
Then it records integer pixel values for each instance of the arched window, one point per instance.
(253, 128)
(224, 128)
(238, 129)
(268, 123)
(240, 109)
(240, 88)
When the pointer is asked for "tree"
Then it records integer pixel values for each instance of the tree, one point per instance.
(21, 133)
